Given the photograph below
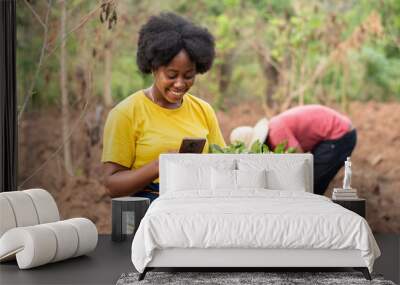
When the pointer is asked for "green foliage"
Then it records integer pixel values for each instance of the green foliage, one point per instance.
(236, 147)
(381, 74)
(126, 78)
(257, 147)
(280, 148)
(225, 33)
(295, 35)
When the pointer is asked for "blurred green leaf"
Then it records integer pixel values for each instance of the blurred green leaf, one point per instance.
(280, 148)
(256, 147)
(214, 148)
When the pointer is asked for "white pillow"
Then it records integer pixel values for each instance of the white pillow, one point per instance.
(293, 180)
(251, 178)
(188, 177)
(223, 179)
(282, 174)
(226, 179)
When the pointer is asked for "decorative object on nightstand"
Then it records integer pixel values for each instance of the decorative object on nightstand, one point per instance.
(127, 212)
(345, 193)
(355, 205)
(347, 196)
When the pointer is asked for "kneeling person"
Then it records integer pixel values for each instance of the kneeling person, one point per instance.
(327, 134)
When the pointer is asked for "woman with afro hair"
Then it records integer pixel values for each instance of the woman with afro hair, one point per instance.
(155, 120)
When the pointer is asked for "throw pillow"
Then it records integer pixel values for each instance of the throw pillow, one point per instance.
(188, 177)
(251, 178)
(223, 179)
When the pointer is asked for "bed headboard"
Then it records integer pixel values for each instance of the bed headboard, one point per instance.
(284, 168)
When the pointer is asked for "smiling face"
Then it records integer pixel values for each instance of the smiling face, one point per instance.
(173, 80)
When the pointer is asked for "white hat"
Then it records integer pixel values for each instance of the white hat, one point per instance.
(249, 135)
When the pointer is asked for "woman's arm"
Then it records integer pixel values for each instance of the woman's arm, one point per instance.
(122, 181)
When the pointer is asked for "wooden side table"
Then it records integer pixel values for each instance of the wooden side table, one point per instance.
(356, 205)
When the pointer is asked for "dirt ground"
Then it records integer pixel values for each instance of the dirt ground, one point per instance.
(376, 160)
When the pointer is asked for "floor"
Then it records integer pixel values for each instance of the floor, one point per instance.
(102, 266)
(111, 259)
(389, 262)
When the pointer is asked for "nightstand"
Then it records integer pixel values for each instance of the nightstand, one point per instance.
(356, 205)
(127, 212)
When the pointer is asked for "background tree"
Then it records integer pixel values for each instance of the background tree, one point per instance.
(64, 91)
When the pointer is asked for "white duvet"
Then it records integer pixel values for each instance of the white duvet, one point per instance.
(250, 218)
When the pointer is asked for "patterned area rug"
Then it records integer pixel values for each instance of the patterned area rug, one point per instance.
(230, 278)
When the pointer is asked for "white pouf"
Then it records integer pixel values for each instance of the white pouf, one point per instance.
(30, 230)
(37, 245)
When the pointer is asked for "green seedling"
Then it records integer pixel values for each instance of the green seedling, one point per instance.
(256, 147)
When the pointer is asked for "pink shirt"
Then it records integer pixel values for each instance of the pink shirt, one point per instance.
(306, 126)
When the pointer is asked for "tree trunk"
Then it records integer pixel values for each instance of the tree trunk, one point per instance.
(225, 75)
(271, 75)
(64, 93)
(108, 101)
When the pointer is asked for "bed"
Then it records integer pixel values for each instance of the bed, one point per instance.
(247, 210)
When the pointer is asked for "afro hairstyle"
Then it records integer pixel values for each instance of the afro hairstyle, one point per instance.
(165, 35)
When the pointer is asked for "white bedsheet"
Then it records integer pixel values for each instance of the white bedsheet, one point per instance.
(251, 218)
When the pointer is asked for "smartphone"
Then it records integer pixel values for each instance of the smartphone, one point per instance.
(192, 145)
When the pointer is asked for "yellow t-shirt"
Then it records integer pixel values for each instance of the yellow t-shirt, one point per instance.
(137, 130)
